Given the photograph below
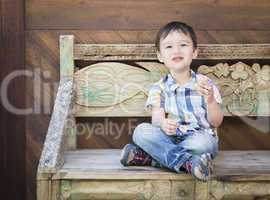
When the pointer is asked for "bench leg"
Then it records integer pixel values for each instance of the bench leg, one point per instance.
(43, 190)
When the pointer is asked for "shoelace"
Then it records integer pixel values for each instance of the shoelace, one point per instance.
(141, 156)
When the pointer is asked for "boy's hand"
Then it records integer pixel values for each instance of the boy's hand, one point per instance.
(169, 126)
(205, 89)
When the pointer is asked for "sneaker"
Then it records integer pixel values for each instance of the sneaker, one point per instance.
(133, 155)
(200, 167)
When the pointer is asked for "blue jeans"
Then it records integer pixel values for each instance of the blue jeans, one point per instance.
(173, 151)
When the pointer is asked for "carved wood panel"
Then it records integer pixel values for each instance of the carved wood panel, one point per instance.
(117, 89)
(245, 89)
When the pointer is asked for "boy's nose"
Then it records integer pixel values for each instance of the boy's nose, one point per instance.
(176, 49)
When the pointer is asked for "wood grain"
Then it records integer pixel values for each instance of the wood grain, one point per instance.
(101, 164)
(143, 52)
(12, 125)
(134, 15)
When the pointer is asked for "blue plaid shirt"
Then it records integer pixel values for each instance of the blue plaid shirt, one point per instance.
(182, 103)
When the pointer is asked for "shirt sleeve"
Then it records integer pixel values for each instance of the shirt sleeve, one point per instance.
(155, 97)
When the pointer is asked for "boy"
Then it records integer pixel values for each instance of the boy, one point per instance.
(184, 140)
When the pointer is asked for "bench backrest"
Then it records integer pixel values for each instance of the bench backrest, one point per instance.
(113, 88)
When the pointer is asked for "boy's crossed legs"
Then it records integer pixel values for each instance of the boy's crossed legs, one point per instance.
(193, 152)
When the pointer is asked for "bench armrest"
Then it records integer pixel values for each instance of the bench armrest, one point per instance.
(56, 139)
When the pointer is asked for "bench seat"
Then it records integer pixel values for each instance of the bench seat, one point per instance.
(116, 84)
(104, 164)
(97, 174)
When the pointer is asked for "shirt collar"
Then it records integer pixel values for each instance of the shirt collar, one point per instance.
(173, 85)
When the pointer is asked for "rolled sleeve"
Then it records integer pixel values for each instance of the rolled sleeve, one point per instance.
(217, 94)
(155, 97)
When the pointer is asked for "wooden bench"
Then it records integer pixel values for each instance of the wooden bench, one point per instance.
(112, 88)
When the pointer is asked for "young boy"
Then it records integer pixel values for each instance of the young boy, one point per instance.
(185, 109)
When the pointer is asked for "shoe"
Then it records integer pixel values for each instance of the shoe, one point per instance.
(133, 155)
(200, 167)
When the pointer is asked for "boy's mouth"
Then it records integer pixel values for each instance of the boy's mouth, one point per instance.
(177, 59)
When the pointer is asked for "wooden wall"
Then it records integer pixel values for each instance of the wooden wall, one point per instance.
(12, 126)
(126, 21)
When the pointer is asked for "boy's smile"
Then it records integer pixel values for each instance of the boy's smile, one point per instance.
(177, 52)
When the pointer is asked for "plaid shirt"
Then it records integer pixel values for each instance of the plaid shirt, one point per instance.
(182, 103)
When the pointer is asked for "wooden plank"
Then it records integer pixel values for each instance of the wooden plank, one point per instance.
(148, 51)
(131, 15)
(55, 190)
(12, 116)
(54, 146)
(101, 164)
(244, 133)
(239, 190)
(66, 55)
(47, 40)
(242, 165)
(113, 190)
(111, 133)
(43, 190)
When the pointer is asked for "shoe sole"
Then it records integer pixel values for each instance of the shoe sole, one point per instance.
(125, 154)
(202, 169)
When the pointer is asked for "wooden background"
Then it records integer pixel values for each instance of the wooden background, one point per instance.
(12, 126)
(116, 21)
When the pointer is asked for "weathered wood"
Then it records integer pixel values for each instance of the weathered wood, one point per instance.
(114, 88)
(116, 189)
(201, 191)
(182, 189)
(117, 89)
(134, 15)
(242, 166)
(46, 41)
(161, 189)
(12, 109)
(55, 190)
(98, 174)
(239, 190)
(66, 55)
(101, 164)
(43, 190)
(52, 154)
(70, 130)
(245, 89)
(148, 51)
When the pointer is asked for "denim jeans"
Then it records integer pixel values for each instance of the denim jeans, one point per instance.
(173, 151)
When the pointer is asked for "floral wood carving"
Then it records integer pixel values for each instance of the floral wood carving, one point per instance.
(245, 89)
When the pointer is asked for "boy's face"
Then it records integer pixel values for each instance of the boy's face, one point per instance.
(177, 51)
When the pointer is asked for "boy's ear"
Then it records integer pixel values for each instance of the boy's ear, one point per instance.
(159, 57)
(195, 53)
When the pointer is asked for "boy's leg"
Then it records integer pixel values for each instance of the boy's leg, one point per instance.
(160, 146)
(201, 143)
(204, 147)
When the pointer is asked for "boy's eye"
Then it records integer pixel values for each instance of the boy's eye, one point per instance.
(183, 45)
(168, 47)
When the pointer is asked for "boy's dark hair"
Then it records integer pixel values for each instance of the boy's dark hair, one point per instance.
(175, 26)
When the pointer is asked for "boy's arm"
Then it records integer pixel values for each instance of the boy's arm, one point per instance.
(159, 119)
(158, 116)
(214, 113)
(212, 98)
